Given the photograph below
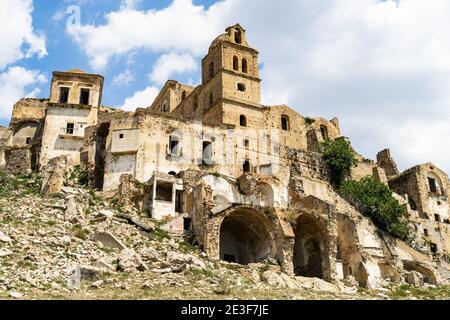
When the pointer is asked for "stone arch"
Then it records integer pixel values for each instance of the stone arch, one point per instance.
(434, 183)
(242, 121)
(238, 35)
(235, 63)
(310, 246)
(285, 125)
(25, 133)
(266, 193)
(245, 237)
(244, 65)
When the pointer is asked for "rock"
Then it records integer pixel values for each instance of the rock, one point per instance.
(5, 252)
(273, 279)
(130, 193)
(255, 276)
(15, 295)
(72, 214)
(96, 284)
(177, 258)
(149, 253)
(106, 213)
(290, 283)
(4, 237)
(53, 175)
(68, 190)
(162, 271)
(130, 261)
(108, 240)
(351, 282)
(414, 278)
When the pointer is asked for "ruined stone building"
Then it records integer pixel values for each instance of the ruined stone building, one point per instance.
(242, 180)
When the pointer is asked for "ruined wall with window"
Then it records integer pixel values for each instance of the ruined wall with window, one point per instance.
(76, 87)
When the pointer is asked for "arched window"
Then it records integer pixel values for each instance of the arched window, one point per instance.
(174, 145)
(164, 107)
(183, 95)
(211, 69)
(238, 35)
(434, 183)
(235, 63)
(285, 123)
(244, 65)
(324, 132)
(243, 121)
(241, 87)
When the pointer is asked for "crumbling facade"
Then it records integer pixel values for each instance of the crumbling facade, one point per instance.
(244, 181)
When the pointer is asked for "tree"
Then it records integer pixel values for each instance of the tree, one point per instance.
(339, 157)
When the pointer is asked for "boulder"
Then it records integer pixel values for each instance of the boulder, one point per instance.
(5, 252)
(108, 240)
(4, 237)
(130, 261)
(54, 175)
(273, 279)
(414, 278)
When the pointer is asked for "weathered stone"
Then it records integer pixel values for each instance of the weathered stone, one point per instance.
(130, 261)
(273, 279)
(54, 175)
(4, 252)
(414, 278)
(4, 237)
(108, 240)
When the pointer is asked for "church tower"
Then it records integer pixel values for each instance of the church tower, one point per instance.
(230, 80)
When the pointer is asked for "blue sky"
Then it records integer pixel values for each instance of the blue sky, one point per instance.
(380, 66)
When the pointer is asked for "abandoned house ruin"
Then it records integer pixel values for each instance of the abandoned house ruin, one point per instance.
(242, 180)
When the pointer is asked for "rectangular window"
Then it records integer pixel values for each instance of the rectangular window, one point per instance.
(246, 143)
(187, 222)
(121, 136)
(207, 152)
(178, 201)
(28, 140)
(425, 232)
(164, 191)
(174, 145)
(70, 128)
(84, 96)
(437, 218)
(63, 94)
(246, 167)
(432, 184)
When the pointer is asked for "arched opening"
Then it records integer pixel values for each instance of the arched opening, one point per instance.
(241, 87)
(324, 132)
(242, 121)
(266, 194)
(172, 173)
(285, 123)
(244, 238)
(238, 35)
(183, 95)
(246, 167)
(434, 183)
(308, 248)
(25, 134)
(244, 66)
(235, 63)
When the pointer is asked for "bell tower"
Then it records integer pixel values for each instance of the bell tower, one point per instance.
(230, 77)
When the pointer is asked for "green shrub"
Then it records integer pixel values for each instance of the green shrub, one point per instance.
(339, 157)
(19, 185)
(374, 199)
(309, 120)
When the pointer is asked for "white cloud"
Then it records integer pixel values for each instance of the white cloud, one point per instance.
(17, 37)
(16, 83)
(123, 79)
(141, 99)
(180, 27)
(382, 67)
(169, 64)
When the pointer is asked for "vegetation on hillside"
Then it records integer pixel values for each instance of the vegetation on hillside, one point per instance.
(375, 200)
